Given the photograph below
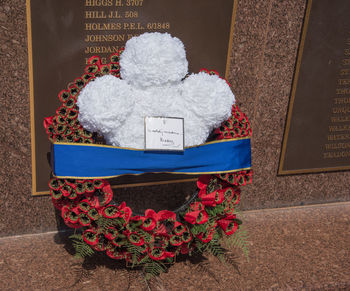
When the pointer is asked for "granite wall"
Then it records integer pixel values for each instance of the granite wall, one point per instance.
(265, 44)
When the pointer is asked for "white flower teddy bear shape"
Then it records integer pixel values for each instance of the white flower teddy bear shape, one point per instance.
(153, 67)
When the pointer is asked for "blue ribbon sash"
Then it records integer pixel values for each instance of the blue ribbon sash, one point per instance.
(87, 161)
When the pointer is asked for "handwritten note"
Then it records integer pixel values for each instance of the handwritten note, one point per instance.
(164, 133)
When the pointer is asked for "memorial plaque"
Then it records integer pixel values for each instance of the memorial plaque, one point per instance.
(63, 34)
(317, 134)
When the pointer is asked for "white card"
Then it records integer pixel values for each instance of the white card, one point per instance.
(164, 133)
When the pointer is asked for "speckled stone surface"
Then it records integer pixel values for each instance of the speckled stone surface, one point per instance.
(20, 212)
(265, 47)
(305, 248)
(263, 58)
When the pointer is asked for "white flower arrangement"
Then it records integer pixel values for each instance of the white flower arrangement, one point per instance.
(153, 68)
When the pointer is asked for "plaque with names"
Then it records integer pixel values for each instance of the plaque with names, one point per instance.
(317, 133)
(64, 34)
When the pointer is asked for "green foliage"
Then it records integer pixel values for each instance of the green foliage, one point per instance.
(147, 236)
(217, 235)
(144, 260)
(153, 269)
(214, 211)
(136, 253)
(104, 223)
(239, 240)
(77, 236)
(226, 257)
(215, 249)
(198, 228)
(82, 249)
(133, 225)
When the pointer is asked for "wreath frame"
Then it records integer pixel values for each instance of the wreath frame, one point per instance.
(153, 240)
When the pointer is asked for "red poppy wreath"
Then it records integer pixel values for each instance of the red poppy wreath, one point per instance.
(111, 100)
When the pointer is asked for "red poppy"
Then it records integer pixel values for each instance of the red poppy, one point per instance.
(213, 198)
(206, 237)
(96, 60)
(184, 249)
(72, 113)
(228, 224)
(111, 233)
(55, 194)
(107, 195)
(93, 213)
(137, 218)
(196, 217)
(196, 206)
(119, 240)
(148, 224)
(158, 254)
(93, 199)
(48, 121)
(70, 182)
(84, 205)
(84, 219)
(161, 229)
(73, 215)
(135, 239)
(220, 197)
(165, 215)
(230, 208)
(179, 228)
(89, 186)
(213, 72)
(203, 181)
(115, 254)
(110, 211)
(236, 196)
(80, 187)
(98, 184)
(73, 195)
(66, 190)
(241, 181)
(64, 211)
(160, 240)
(175, 240)
(54, 184)
(152, 218)
(186, 236)
(79, 83)
(90, 237)
(125, 213)
(204, 70)
(228, 193)
(99, 247)
(114, 58)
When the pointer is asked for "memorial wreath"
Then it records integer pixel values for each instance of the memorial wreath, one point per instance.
(153, 240)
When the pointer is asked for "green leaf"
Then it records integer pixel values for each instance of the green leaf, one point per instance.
(215, 249)
(136, 253)
(153, 269)
(77, 237)
(239, 240)
(105, 223)
(198, 228)
(82, 249)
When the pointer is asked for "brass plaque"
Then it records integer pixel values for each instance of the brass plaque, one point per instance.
(63, 34)
(317, 134)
